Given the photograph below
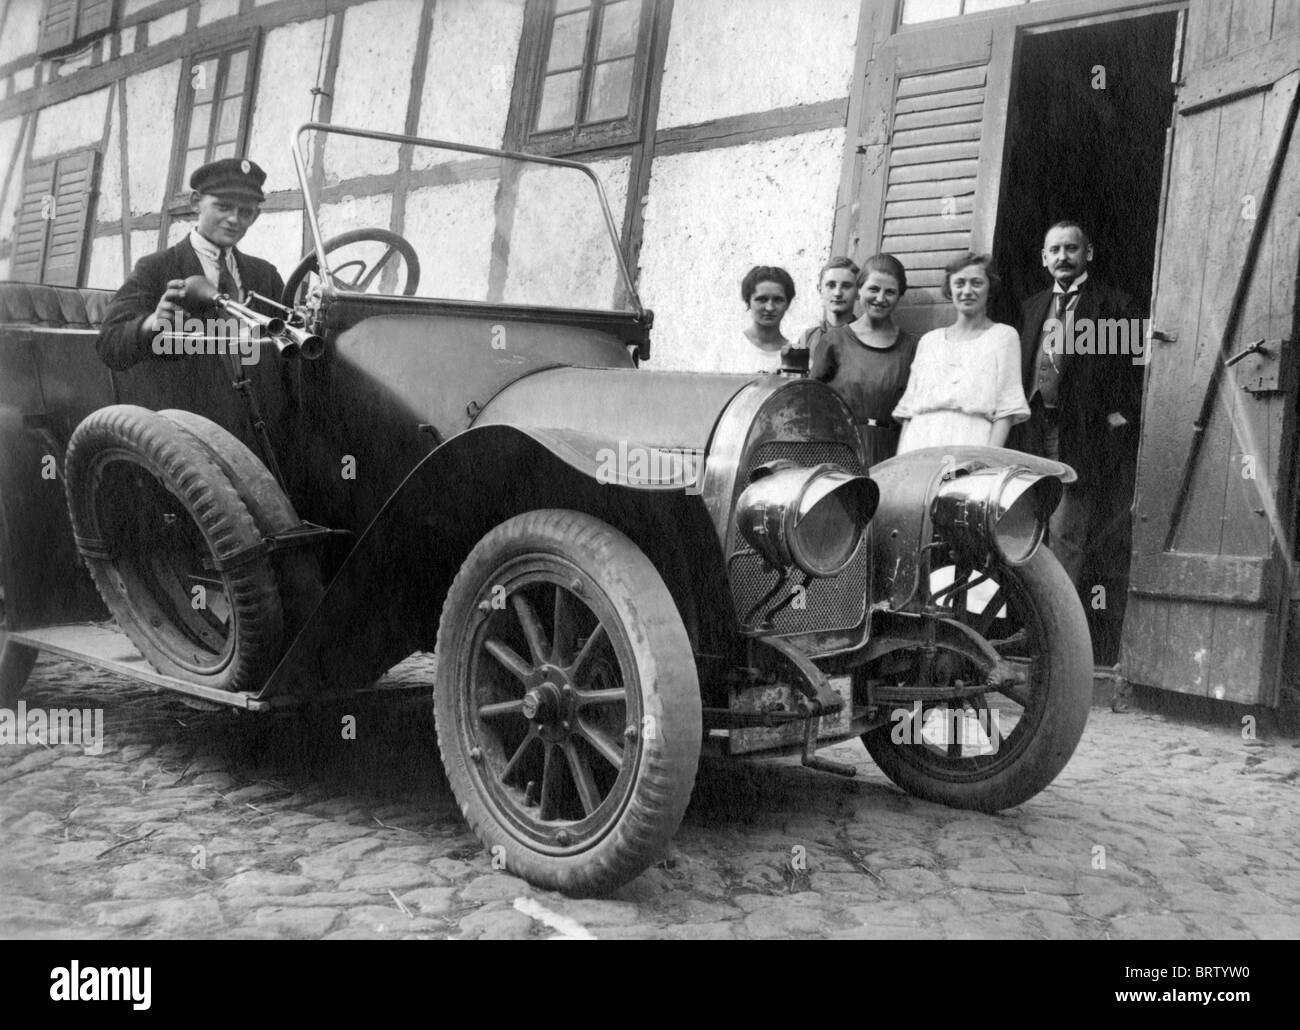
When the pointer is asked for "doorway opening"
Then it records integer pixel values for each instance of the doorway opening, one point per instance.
(1086, 139)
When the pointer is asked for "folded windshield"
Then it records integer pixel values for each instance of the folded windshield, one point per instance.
(399, 215)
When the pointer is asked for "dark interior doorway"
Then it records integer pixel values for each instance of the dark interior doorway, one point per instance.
(1086, 140)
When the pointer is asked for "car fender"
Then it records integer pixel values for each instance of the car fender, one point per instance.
(384, 602)
(908, 483)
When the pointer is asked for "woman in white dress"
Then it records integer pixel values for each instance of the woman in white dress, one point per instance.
(965, 384)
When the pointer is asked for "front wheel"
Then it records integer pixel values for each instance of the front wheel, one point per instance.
(567, 703)
(995, 748)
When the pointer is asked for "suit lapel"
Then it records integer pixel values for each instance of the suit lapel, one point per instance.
(187, 262)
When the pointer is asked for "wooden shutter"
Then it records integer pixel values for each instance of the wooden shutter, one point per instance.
(96, 16)
(59, 25)
(932, 143)
(1214, 520)
(33, 225)
(54, 220)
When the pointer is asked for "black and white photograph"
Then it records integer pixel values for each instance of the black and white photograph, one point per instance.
(651, 469)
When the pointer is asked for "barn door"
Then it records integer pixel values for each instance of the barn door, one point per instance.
(1213, 529)
(931, 142)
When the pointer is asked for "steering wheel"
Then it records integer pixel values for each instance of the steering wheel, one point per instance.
(355, 275)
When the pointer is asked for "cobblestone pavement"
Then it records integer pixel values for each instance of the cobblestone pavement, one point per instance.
(214, 824)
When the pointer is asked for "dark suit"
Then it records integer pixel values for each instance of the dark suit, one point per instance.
(122, 342)
(200, 383)
(1091, 388)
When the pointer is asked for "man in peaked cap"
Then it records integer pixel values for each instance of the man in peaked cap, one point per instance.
(226, 196)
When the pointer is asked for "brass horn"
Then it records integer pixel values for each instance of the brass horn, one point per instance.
(290, 341)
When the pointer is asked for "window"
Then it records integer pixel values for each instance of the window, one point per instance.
(588, 72)
(53, 219)
(67, 23)
(212, 115)
(915, 11)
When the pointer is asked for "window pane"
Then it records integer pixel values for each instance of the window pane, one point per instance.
(228, 125)
(192, 161)
(570, 5)
(199, 126)
(203, 79)
(568, 41)
(224, 150)
(618, 29)
(928, 10)
(559, 106)
(611, 88)
(236, 73)
(987, 5)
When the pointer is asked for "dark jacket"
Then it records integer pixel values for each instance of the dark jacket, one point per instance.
(1092, 386)
(122, 342)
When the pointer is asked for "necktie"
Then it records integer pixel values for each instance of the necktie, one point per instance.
(225, 280)
(1062, 299)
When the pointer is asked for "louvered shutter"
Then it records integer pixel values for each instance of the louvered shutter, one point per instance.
(54, 219)
(96, 16)
(33, 224)
(59, 26)
(74, 197)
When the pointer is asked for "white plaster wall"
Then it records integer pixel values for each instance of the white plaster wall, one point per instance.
(178, 230)
(290, 57)
(110, 173)
(22, 30)
(168, 26)
(130, 7)
(373, 85)
(355, 213)
(106, 271)
(712, 216)
(215, 10)
(560, 251)
(451, 228)
(466, 95)
(24, 79)
(10, 155)
(728, 58)
(73, 124)
(276, 236)
(150, 124)
(145, 241)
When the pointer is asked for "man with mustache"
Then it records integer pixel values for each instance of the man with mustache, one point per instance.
(1084, 407)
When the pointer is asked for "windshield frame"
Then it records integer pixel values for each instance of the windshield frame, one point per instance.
(309, 201)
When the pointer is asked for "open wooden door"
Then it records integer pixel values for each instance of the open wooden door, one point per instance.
(1214, 523)
(931, 139)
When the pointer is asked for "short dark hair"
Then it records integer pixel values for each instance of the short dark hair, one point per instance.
(840, 262)
(985, 261)
(1068, 223)
(766, 274)
(886, 264)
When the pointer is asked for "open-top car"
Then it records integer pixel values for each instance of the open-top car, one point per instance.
(447, 444)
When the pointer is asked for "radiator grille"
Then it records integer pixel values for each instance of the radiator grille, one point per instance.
(832, 604)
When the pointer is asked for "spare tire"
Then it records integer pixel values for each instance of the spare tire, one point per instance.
(156, 518)
(297, 568)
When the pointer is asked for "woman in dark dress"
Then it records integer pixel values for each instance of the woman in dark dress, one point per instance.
(868, 361)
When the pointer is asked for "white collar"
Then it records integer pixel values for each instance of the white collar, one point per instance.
(205, 247)
(1074, 286)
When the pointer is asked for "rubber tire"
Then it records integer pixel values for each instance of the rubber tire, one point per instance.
(1068, 699)
(298, 568)
(669, 692)
(125, 432)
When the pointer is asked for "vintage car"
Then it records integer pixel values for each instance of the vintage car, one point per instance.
(448, 444)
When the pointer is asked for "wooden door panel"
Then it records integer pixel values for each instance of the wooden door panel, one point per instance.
(1210, 577)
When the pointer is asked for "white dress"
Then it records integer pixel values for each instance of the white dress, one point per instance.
(958, 390)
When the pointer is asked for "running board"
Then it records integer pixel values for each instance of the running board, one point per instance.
(103, 647)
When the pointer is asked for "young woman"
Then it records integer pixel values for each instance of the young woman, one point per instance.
(767, 291)
(965, 386)
(868, 360)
